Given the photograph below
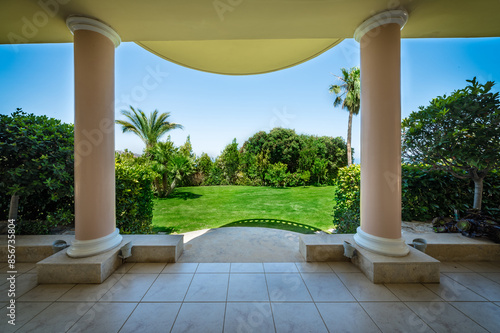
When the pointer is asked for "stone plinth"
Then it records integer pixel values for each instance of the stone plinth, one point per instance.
(416, 267)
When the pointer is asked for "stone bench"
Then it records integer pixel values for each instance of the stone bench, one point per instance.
(59, 268)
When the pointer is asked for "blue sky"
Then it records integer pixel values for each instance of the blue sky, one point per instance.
(214, 109)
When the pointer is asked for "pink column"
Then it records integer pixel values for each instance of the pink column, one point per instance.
(94, 51)
(379, 39)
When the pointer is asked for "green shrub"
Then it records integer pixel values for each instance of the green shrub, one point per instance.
(36, 163)
(346, 210)
(276, 174)
(426, 193)
(134, 198)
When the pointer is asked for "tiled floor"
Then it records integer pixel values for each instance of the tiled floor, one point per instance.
(257, 297)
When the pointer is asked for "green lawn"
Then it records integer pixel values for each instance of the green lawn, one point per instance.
(193, 208)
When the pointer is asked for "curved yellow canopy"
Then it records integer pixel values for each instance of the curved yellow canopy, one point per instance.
(241, 36)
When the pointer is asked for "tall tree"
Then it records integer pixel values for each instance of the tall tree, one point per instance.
(459, 133)
(349, 98)
(149, 129)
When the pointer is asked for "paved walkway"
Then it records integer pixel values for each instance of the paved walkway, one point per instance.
(241, 244)
(257, 297)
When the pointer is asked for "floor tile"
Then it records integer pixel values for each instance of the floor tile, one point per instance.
(313, 267)
(364, 290)
(213, 268)
(124, 268)
(24, 312)
(130, 288)
(297, 317)
(287, 287)
(395, 317)
(442, 317)
(200, 317)
(24, 283)
(91, 292)
(146, 268)
(479, 284)
(484, 313)
(247, 287)
(249, 317)
(152, 317)
(481, 267)
(346, 317)
(326, 288)
(46, 293)
(412, 292)
(450, 290)
(247, 267)
(280, 267)
(181, 267)
(104, 318)
(169, 288)
(208, 288)
(495, 277)
(452, 267)
(57, 317)
(3, 278)
(344, 267)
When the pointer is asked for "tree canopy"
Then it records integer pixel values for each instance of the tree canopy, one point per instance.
(459, 133)
(149, 128)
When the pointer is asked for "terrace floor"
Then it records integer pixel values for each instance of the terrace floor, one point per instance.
(257, 297)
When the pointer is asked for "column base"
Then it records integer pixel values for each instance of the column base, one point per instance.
(380, 245)
(87, 248)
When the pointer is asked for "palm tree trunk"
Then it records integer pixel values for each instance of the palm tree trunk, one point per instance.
(478, 193)
(164, 184)
(172, 187)
(349, 130)
(14, 207)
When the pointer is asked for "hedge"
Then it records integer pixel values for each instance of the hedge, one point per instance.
(426, 194)
(134, 198)
(134, 205)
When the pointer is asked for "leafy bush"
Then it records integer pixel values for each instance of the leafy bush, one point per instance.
(134, 198)
(276, 174)
(426, 194)
(346, 212)
(36, 163)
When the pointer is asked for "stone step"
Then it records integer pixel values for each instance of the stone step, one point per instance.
(59, 268)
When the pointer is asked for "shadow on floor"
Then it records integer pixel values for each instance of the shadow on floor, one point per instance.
(274, 224)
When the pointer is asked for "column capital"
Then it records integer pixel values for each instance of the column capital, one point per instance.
(85, 23)
(399, 16)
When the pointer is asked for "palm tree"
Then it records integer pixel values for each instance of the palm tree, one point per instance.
(149, 129)
(348, 95)
(179, 166)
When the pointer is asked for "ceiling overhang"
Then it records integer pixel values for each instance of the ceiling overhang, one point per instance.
(241, 36)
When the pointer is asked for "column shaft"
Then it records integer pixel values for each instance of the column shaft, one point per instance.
(381, 133)
(94, 135)
(94, 52)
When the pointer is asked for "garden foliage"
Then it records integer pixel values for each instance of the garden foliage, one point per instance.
(36, 163)
(279, 158)
(426, 193)
(134, 196)
(459, 133)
